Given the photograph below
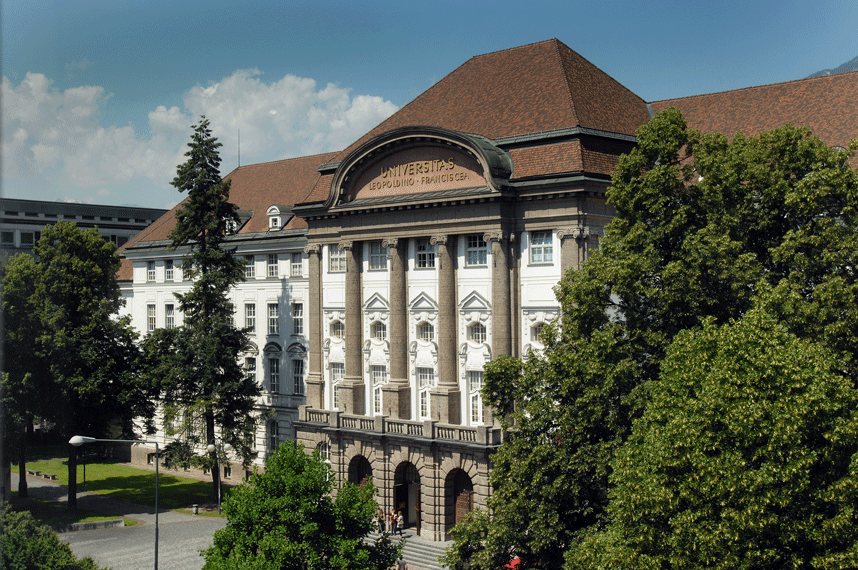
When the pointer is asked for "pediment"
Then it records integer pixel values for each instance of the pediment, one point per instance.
(474, 302)
(423, 302)
(376, 303)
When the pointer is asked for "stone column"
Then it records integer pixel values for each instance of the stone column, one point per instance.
(574, 246)
(501, 333)
(446, 399)
(351, 389)
(396, 396)
(315, 376)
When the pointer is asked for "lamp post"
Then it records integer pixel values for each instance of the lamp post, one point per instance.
(223, 447)
(79, 440)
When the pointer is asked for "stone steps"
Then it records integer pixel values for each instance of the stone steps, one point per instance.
(420, 554)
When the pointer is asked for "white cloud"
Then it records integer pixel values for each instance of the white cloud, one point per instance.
(55, 137)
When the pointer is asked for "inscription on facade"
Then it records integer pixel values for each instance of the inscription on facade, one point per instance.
(418, 170)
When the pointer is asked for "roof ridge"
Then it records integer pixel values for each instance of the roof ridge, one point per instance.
(513, 48)
(750, 87)
(334, 152)
(565, 77)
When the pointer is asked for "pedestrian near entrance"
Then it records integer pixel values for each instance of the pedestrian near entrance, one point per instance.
(400, 522)
(401, 565)
(393, 525)
(380, 520)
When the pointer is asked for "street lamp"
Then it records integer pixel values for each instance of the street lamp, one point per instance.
(328, 465)
(79, 440)
(223, 447)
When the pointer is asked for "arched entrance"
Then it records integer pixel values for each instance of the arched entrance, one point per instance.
(458, 497)
(406, 493)
(359, 470)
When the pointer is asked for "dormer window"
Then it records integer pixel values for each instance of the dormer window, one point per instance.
(278, 217)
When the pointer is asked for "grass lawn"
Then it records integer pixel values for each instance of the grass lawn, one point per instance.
(56, 514)
(133, 485)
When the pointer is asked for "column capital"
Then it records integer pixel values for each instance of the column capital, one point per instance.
(495, 236)
(346, 245)
(578, 232)
(390, 242)
(438, 240)
(313, 248)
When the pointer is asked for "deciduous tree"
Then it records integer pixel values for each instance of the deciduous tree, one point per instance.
(703, 225)
(286, 518)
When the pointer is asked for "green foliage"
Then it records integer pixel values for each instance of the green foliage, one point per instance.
(29, 544)
(744, 458)
(286, 518)
(195, 368)
(704, 227)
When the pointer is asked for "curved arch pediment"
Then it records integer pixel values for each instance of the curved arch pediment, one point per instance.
(417, 160)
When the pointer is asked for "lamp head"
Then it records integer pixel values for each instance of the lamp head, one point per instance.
(79, 440)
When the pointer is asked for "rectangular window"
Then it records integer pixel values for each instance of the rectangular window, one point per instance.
(297, 318)
(338, 372)
(28, 239)
(475, 383)
(250, 316)
(425, 254)
(425, 382)
(272, 436)
(169, 316)
(274, 375)
(273, 319)
(541, 248)
(379, 377)
(7, 238)
(298, 376)
(272, 265)
(377, 256)
(249, 266)
(168, 270)
(337, 259)
(250, 368)
(150, 271)
(150, 313)
(477, 253)
(297, 266)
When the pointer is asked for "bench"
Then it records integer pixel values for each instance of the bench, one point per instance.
(50, 476)
(33, 472)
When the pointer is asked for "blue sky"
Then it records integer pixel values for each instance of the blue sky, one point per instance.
(99, 96)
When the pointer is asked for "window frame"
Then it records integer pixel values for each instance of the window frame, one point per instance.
(249, 266)
(169, 316)
(336, 259)
(337, 329)
(377, 327)
(274, 374)
(297, 266)
(377, 256)
(273, 265)
(423, 328)
(298, 376)
(424, 254)
(298, 319)
(151, 317)
(541, 248)
(475, 398)
(250, 368)
(476, 251)
(150, 271)
(169, 270)
(477, 332)
(273, 318)
(250, 316)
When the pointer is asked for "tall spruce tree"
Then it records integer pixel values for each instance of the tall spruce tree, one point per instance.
(196, 366)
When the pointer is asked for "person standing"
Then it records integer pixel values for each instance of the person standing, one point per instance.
(401, 565)
(400, 523)
(393, 521)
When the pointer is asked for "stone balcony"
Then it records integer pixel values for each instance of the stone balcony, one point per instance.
(428, 430)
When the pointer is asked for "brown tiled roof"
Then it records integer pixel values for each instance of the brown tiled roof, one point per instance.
(255, 188)
(529, 89)
(827, 105)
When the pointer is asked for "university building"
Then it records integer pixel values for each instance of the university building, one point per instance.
(382, 278)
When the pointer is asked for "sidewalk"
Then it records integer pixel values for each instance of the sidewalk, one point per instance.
(39, 488)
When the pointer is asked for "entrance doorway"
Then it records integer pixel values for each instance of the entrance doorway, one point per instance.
(406, 494)
(359, 470)
(458, 497)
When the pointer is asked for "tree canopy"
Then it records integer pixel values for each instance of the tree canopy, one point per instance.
(195, 368)
(69, 359)
(286, 518)
(705, 229)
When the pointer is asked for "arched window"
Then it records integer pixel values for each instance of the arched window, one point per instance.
(536, 332)
(324, 450)
(378, 330)
(426, 331)
(338, 329)
(477, 332)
